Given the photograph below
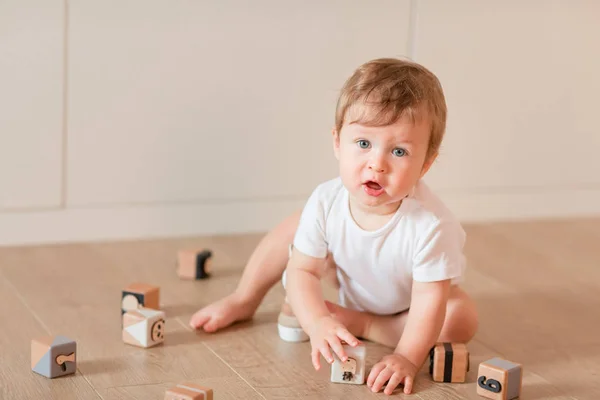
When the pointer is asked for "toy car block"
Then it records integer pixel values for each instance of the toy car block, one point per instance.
(139, 295)
(189, 391)
(351, 371)
(499, 379)
(449, 362)
(144, 327)
(193, 264)
(53, 356)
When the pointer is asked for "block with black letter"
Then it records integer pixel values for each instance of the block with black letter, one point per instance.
(449, 362)
(499, 379)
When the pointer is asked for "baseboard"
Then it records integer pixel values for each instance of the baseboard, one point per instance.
(172, 220)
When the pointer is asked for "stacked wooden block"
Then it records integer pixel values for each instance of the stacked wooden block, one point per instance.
(143, 323)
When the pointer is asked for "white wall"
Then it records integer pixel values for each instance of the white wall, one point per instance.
(138, 118)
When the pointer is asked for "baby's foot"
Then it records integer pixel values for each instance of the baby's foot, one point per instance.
(222, 313)
(356, 322)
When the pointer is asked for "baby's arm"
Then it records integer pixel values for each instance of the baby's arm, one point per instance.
(306, 299)
(425, 320)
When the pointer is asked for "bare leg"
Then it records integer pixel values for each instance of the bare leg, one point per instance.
(459, 326)
(262, 272)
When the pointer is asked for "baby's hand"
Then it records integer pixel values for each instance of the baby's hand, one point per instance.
(394, 369)
(328, 332)
(222, 313)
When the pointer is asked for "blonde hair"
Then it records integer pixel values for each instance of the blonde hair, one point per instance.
(382, 91)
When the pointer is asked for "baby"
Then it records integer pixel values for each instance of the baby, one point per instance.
(396, 249)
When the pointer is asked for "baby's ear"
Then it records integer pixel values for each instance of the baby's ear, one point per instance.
(336, 142)
(428, 163)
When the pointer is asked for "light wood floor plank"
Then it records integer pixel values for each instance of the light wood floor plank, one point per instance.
(17, 381)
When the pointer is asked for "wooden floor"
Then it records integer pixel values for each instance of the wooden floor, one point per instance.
(537, 286)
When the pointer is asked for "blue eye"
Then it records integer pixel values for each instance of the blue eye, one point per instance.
(398, 152)
(363, 144)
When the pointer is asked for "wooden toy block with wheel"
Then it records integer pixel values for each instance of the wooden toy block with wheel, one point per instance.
(499, 379)
(194, 264)
(139, 295)
(189, 391)
(53, 356)
(144, 327)
(353, 370)
(449, 362)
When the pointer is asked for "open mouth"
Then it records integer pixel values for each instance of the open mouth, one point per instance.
(373, 188)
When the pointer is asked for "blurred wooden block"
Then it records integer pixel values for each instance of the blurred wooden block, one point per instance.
(353, 370)
(139, 295)
(189, 391)
(449, 362)
(144, 327)
(194, 264)
(499, 379)
(53, 356)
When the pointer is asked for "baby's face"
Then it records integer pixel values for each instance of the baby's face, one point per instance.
(380, 165)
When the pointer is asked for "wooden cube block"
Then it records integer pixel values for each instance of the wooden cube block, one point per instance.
(449, 362)
(139, 295)
(194, 264)
(144, 327)
(189, 391)
(53, 356)
(353, 370)
(499, 379)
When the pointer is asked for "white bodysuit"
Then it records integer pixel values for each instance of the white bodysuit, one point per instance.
(423, 241)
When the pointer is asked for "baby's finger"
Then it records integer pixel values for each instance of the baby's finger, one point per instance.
(326, 351)
(382, 378)
(377, 368)
(316, 358)
(347, 337)
(408, 384)
(393, 383)
(337, 347)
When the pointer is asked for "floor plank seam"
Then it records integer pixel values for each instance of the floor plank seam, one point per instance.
(189, 329)
(234, 371)
(26, 305)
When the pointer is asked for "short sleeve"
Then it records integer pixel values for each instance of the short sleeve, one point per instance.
(310, 235)
(439, 254)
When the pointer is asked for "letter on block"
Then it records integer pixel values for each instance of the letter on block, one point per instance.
(449, 362)
(353, 370)
(189, 391)
(53, 356)
(139, 295)
(499, 379)
(192, 264)
(144, 327)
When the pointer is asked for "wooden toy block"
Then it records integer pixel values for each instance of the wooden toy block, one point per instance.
(139, 295)
(53, 356)
(144, 327)
(353, 370)
(499, 379)
(193, 264)
(449, 362)
(189, 391)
